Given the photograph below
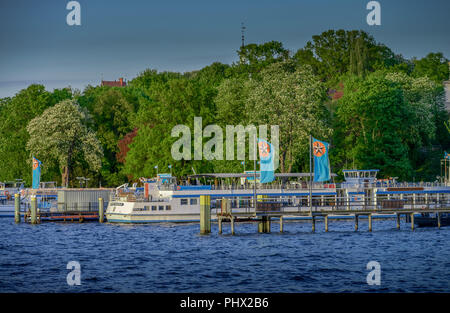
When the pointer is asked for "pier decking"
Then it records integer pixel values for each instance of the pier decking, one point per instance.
(268, 210)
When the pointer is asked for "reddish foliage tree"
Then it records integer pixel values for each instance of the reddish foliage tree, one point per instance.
(123, 145)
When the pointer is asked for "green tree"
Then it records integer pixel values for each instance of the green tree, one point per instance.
(291, 98)
(112, 110)
(60, 135)
(171, 103)
(335, 53)
(369, 123)
(434, 65)
(15, 115)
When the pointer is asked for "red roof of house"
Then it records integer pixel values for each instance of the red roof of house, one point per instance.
(120, 83)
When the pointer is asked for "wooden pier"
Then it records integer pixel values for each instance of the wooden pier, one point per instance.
(268, 211)
(33, 215)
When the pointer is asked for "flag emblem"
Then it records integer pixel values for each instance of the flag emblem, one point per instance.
(35, 164)
(319, 149)
(264, 149)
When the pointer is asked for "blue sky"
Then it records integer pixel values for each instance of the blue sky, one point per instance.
(122, 38)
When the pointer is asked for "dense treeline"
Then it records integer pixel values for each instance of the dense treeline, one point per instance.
(376, 108)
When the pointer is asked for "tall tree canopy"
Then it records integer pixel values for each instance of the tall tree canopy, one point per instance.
(15, 115)
(60, 136)
(435, 66)
(291, 98)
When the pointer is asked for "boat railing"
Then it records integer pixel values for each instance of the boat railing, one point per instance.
(306, 185)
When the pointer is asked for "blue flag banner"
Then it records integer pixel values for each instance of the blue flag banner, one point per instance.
(266, 155)
(36, 173)
(321, 162)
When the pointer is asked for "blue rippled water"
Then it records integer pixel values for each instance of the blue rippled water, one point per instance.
(175, 258)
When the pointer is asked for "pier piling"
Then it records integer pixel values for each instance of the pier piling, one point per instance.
(220, 224)
(398, 220)
(412, 221)
(326, 223)
(264, 224)
(356, 222)
(232, 225)
(281, 224)
(17, 208)
(313, 222)
(33, 216)
(370, 222)
(205, 215)
(439, 220)
(101, 214)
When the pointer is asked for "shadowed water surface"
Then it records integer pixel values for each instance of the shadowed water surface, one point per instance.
(175, 258)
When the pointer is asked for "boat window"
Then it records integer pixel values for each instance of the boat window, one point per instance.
(161, 207)
(184, 201)
(193, 201)
(146, 208)
(168, 208)
(153, 207)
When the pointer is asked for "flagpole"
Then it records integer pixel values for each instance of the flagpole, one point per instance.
(310, 175)
(254, 184)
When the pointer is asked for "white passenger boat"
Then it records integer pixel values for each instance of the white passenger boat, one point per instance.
(162, 199)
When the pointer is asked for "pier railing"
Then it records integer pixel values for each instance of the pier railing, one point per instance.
(286, 205)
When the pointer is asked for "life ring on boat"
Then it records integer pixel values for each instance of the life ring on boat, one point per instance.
(8, 196)
(178, 187)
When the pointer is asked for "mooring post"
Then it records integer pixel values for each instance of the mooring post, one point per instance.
(412, 221)
(100, 210)
(33, 210)
(398, 221)
(313, 223)
(17, 208)
(356, 222)
(326, 223)
(281, 224)
(264, 224)
(232, 225)
(205, 214)
(370, 222)
(439, 220)
(220, 224)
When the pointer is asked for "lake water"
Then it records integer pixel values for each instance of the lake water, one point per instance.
(175, 258)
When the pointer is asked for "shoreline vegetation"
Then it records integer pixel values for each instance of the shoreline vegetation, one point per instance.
(376, 108)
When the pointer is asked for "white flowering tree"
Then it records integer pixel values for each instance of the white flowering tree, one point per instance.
(61, 135)
(292, 98)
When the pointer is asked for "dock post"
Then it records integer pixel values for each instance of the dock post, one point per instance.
(264, 225)
(220, 224)
(205, 214)
(412, 221)
(398, 221)
(439, 220)
(313, 222)
(33, 210)
(356, 222)
(232, 225)
(326, 223)
(17, 208)
(100, 210)
(370, 222)
(281, 224)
